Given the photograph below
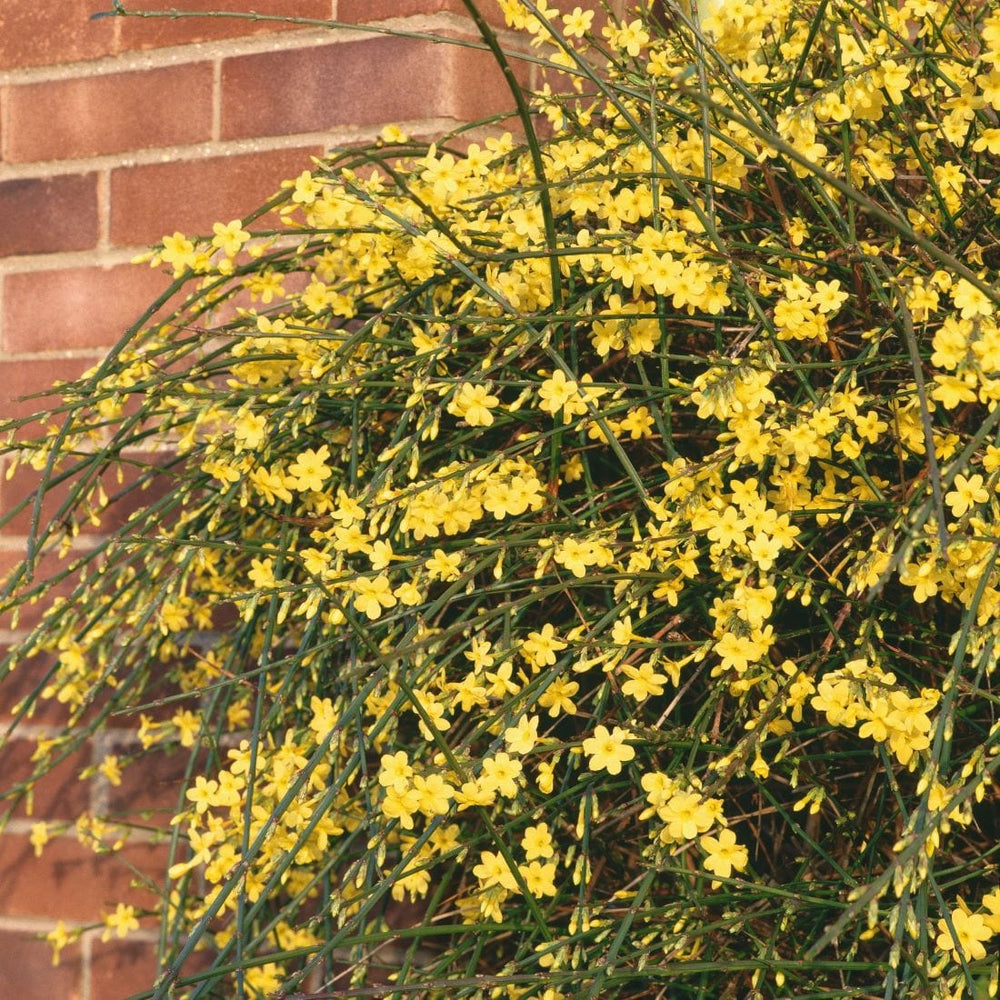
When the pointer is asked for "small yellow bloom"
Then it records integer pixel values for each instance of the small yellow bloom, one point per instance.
(537, 842)
(723, 855)
(120, 922)
(608, 751)
(970, 933)
(229, 237)
(522, 737)
(967, 493)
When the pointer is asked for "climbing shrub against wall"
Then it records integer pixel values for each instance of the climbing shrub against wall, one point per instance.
(571, 568)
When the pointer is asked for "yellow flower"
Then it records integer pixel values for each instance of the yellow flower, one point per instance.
(577, 23)
(372, 595)
(970, 300)
(686, 815)
(40, 836)
(229, 237)
(59, 937)
(179, 252)
(967, 493)
(324, 719)
(540, 648)
(723, 855)
(401, 805)
(608, 751)
(991, 901)
(203, 793)
(494, 870)
(442, 566)
(558, 697)
(539, 877)
(522, 737)
(966, 936)
(561, 395)
(643, 681)
(537, 842)
(309, 470)
(472, 403)
(111, 769)
(545, 779)
(501, 772)
(306, 188)
(120, 922)
(433, 794)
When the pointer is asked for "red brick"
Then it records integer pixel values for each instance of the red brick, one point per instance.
(124, 496)
(158, 700)
(155, 32)
(71, 882)
(122, 968)
(21, 379)
(310, 90)
(151, 782)
(59, 795)
(86, 116)
(75, 307)
(18, 685)
(43, 34)
(27, 972)
(373, 11)
(46, 215)
(153, 200)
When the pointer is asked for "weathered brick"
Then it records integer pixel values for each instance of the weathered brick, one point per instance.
(75, 307)
(122, 968)
(153, 200)
(158, 698)
(313, 89)
(152, 782)
(86, 116)
(70, 881)
(27, 972)
(21, 378)
(134, 483)
(156, 32)
(37, 34)
(44, 215)
(19, 684)
(59, 795)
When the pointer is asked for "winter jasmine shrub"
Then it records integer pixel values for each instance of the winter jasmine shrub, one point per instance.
(586, 539)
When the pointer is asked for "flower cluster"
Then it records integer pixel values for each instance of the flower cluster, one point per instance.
(589, 542)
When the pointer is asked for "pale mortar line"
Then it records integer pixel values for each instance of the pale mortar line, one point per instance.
(104, 257)
(278, 40)
(338, 135)
(103, 209)
(22, 828)
(100, 788)
(86, 966)
(172, 55)
(39, 731)
(144, 934)
(36, 925)
(216, 126)
(46, 169)
(79, 544)
(4, 127)
(13, 636)
(65, 354)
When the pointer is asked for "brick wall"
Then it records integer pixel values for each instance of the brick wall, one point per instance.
(114, 132)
